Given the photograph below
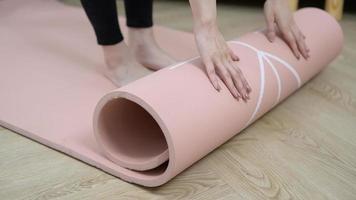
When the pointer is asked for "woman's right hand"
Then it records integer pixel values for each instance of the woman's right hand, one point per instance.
(220, 60)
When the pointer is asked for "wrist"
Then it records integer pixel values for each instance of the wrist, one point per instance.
(204, 13)
(205, 25)
(276, 2)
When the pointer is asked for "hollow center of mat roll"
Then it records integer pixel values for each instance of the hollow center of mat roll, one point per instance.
(130, 135)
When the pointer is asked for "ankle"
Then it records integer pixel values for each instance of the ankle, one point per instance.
(140, 37)
(116, 54)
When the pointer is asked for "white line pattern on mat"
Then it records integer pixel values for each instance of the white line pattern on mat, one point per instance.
(262, 57)
(265, 56)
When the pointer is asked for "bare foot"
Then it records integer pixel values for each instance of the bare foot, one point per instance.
(146, 50)
(121, 65)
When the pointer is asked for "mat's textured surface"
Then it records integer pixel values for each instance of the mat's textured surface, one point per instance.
(55, 116)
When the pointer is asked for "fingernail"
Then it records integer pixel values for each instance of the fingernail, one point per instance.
(237, 95)
(270, 36)
(217, 86)
(245, 100)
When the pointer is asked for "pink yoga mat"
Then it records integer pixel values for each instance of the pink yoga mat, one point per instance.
(152, 129)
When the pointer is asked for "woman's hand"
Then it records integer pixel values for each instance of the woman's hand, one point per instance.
(218, 58)
(278, 16)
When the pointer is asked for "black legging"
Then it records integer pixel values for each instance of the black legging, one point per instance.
(103, 16)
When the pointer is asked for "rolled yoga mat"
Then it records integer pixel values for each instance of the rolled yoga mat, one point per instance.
(176, 115)
(152, 129)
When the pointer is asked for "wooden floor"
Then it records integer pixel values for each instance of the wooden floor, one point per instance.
(303, 149)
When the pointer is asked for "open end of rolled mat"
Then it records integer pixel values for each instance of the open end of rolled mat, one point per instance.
(130, 136)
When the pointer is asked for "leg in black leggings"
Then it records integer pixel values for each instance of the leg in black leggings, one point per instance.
(103, 17)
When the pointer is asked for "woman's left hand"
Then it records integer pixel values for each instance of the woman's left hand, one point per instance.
(278, 16)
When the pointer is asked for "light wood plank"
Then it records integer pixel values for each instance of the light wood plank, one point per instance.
(293, 4)
(335, 8)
